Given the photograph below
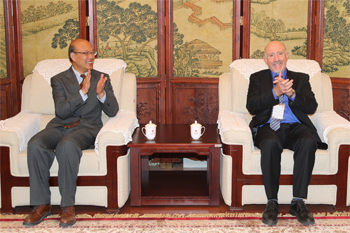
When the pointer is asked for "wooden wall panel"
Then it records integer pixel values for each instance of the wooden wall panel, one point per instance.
(5, 100)
(200, 102)
(148, 103)
(10, 87)
(341, 96)
(195, 102)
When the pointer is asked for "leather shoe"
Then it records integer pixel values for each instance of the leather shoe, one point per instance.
(67, 216)
(302, 213)
(37, 215)
(270, 214)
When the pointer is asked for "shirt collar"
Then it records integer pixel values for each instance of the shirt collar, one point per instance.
(77, 74)
(284, 74)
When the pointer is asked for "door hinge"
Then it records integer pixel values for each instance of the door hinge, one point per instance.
(87, 21)
(241, 20)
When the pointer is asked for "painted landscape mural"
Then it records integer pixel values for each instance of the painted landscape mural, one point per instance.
(281, 20)
(202, 37)
(47, 29)
(286, 21)
(336, 41)
(128, 30)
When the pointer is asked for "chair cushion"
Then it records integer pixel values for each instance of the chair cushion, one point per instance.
(323, 163)
(89, 165)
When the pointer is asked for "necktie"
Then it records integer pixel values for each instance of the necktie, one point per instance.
(83, 76)
(275, 123)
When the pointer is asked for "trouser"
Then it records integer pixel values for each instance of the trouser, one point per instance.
(296, 137)
(64, 144)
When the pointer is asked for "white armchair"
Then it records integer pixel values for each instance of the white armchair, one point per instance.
(103, 178)
(241, 179)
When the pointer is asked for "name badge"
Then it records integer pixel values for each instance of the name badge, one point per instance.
(278, 111)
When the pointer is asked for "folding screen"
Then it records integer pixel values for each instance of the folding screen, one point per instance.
(3, 64)
(47, 29)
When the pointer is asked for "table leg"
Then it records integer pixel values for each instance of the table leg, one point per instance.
(145, 170)
(135, 176)
(214, 181)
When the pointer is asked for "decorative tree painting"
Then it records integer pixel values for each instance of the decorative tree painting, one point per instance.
(47, 29)
(128, 30)
(336, 38)
(286, 21)
(3, 64)
(281, 20)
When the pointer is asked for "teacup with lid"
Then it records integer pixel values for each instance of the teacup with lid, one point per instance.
(149, 130)
(196, 130)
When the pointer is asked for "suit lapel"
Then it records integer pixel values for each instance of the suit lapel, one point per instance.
(267, 80)
(290, 76)
(72, 81)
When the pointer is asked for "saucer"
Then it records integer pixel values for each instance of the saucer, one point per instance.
(150, 139)
(199, 139)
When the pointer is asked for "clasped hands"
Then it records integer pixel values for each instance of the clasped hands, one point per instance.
(100, 85)
(283, 86)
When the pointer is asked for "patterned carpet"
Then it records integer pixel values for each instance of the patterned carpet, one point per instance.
(179, 223)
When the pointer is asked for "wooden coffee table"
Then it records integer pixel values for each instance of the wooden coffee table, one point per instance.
(179, 187)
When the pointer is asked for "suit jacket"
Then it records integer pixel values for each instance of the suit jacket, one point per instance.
(260, 100)
(70, 107)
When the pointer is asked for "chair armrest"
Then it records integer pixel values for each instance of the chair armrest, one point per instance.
(127, 99)
(234, 129)
(225, 92)
(18, 130)
(117, 131)
(329, 125)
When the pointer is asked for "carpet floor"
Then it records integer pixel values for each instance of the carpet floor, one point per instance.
(180, 223)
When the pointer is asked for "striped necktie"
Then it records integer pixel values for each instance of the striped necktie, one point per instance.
(275, 123)
(81, 84)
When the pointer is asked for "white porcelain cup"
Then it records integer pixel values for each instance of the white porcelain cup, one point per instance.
(196, 130)
(149, 130)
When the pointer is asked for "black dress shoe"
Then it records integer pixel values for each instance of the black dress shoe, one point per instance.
(270, 214)
(302, 213)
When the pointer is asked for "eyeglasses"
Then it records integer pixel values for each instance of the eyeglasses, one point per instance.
(85, 53)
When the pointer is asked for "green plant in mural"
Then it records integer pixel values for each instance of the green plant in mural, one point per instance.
(3, 68)
(143, 24)
(346, 5)
(300, 50)
(32, 13)
(126, 34)
(258, 54)
(336, 50)
(2, 22)
(185, 60)
(65, 35)
(266, 27)
(177, 37)
(274, 29)
(184, 56)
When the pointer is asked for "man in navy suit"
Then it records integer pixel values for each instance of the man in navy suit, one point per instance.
(80, 95)
(280, 100)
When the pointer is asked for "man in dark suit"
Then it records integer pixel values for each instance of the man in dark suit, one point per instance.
(80, 94)
(280, 100)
